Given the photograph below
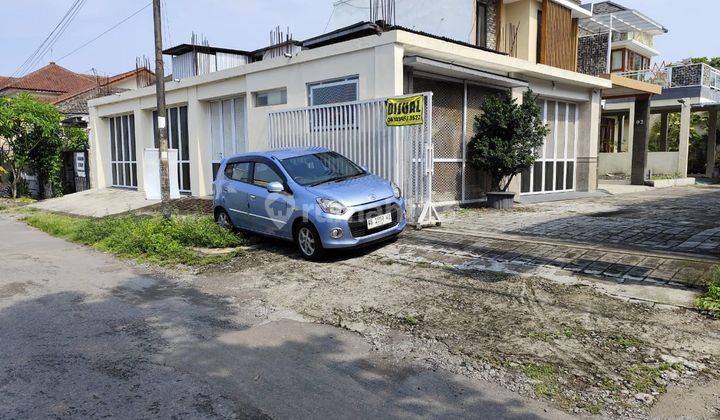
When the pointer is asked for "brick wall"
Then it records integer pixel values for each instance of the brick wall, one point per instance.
(592, 54)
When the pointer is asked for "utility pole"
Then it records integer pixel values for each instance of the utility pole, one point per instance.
(161, 113)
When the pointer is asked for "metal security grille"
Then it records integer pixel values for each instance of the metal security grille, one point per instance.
(123, 160)
(554, 170)
(358, 130)
(456, 103)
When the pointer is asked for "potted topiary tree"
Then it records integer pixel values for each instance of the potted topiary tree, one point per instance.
(506, 137)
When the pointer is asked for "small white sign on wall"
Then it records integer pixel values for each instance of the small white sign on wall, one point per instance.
(80, 164)
(151, 173)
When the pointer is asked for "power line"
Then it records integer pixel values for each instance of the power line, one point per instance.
(57, 36)
(45, 41)
(105, 32)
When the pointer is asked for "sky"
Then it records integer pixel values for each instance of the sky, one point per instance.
(246, 25)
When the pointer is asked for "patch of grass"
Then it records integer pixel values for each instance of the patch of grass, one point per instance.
(595, 408)
(544, 377)
(658, 177)
(626, 342)
(643, 377)
(710, 301)
(541, 336)
(151, 239)
(410, 320)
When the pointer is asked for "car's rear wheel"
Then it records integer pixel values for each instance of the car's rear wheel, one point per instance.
(308, 242)
(222, 218)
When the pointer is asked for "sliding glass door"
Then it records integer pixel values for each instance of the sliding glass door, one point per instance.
(554, 170)
(123, 159)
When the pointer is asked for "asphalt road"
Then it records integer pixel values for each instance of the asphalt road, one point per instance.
(83, 334)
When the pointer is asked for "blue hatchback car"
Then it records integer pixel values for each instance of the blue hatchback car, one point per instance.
(315, 197)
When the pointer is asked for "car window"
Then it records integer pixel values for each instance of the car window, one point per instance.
(264, 175)
(238, 171)
(321, 167)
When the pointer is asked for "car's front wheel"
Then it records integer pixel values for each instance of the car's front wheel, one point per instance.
(223, 220)
(308, 242)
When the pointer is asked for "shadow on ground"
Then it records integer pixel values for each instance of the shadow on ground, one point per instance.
(154, 349)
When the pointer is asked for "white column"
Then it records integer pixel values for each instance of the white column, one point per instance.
(99, 151)
(684, 147)
(199, 143)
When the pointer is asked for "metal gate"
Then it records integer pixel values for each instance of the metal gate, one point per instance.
(358, 131)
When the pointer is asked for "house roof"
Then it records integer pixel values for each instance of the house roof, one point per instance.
(51, 78)
(205, 49)
(607, 15)
(99, 83)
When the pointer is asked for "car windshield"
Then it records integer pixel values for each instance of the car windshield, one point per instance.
(320, 168)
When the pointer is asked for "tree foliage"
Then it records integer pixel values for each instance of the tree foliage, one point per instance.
(712, 62)
(506, 137)
(33, 141)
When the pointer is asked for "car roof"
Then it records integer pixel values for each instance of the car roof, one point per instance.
(281, 154)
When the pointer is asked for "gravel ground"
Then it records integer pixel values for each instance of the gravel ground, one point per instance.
(170, 342)
(560, 341)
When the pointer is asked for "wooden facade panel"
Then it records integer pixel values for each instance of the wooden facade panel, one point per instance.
(559, 36)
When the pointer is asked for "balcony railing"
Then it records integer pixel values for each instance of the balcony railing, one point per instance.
(682, 75)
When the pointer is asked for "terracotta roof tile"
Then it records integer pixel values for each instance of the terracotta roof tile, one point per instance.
(51, 78)
(103, 81)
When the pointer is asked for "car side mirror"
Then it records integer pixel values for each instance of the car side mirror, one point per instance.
(275, 187)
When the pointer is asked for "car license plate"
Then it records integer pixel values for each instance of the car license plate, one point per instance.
(377, 221)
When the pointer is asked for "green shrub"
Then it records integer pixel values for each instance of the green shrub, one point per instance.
(710, 301)
(148, 238)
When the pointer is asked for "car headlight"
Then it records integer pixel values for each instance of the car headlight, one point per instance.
(396, 191)
(331, 206)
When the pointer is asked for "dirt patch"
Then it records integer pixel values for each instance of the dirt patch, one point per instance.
(584, 351)
(184, 206)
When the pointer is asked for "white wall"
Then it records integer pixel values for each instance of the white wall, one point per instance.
(378, 67)
(660, 163)
(450, 18)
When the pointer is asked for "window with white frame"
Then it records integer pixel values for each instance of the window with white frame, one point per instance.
(123, 160)
(333, 92)
(227, 129)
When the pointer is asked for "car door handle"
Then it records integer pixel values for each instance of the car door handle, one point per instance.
(226, 189)
(252, 196)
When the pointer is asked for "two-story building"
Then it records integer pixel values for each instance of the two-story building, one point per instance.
(620, 41)
(460, 50)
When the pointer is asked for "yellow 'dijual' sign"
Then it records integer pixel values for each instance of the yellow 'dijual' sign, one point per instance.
(409, 110)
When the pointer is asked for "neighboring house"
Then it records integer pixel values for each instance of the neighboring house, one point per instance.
(214, 114)
(686, 88)
(69, 92)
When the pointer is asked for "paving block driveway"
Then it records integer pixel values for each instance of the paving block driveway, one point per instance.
(662, 236)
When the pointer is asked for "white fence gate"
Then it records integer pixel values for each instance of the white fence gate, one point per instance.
(358, 131)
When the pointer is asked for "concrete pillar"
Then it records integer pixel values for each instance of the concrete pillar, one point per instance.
(684, 147)
(143, 139)
(99, 150)
(641, 133)
(587, 146)
(664, 116)
(712, 141)
(201, 175)
(627, 162)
